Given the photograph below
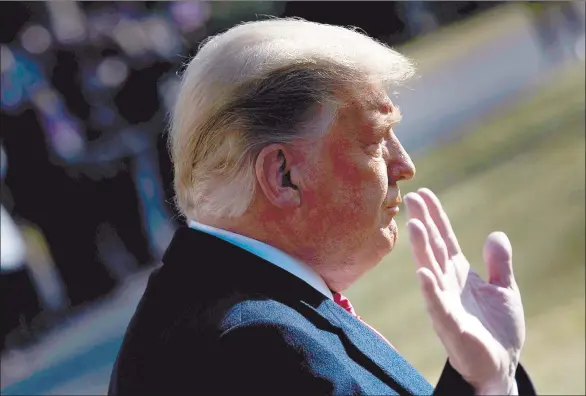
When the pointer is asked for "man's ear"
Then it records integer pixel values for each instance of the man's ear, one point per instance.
(273, 168)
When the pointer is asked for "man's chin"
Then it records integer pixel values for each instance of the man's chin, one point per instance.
(390, 234)
(394, 230)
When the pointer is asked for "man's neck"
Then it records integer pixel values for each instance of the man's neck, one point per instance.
(278, 234)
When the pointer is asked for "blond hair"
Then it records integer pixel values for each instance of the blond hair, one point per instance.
(259, 83)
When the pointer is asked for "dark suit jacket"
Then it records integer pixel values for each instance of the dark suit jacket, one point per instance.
(216, 319)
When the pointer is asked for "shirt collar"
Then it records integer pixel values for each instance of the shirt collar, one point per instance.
(270, 254)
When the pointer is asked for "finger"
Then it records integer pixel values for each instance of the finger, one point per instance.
(422, 250)
(498, 256)
(417, 209)
(446, 326)
(431, 293)
(441, 220)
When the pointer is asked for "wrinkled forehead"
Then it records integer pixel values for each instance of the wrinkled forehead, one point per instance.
(371, 106)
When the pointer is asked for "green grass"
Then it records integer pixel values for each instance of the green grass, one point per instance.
(521, 171)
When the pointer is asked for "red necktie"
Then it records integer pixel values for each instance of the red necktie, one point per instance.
(345, 303)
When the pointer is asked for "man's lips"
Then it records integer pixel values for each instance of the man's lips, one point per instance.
(392, 209)
(393, 206)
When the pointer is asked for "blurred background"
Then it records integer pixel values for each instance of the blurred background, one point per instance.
(495, 123)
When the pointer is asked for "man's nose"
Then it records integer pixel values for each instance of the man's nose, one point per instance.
(401, 166)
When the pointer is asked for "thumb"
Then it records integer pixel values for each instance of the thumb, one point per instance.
(498, 256)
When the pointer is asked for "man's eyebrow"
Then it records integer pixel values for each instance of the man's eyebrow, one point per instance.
(387, 122)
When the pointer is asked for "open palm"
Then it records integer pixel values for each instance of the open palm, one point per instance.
(481, 324)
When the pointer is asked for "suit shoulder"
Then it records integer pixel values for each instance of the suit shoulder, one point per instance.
(264, 311)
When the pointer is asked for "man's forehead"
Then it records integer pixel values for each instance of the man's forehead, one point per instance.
(371, 99)
(373, 106)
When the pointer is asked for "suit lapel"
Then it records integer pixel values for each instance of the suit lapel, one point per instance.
(405, 378)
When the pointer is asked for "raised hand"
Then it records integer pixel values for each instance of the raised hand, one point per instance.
(481, 324)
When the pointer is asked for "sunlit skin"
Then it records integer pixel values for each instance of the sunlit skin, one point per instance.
(339, 220)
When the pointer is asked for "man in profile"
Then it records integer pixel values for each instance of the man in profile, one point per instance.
(287, 167)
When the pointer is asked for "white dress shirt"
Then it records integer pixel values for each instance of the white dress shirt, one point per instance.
(270, 254)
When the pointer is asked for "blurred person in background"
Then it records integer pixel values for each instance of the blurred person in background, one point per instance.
(19, 298)
(94, 144)
(559, 26)
(287, 168)
(43, 192)
(40, 136)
